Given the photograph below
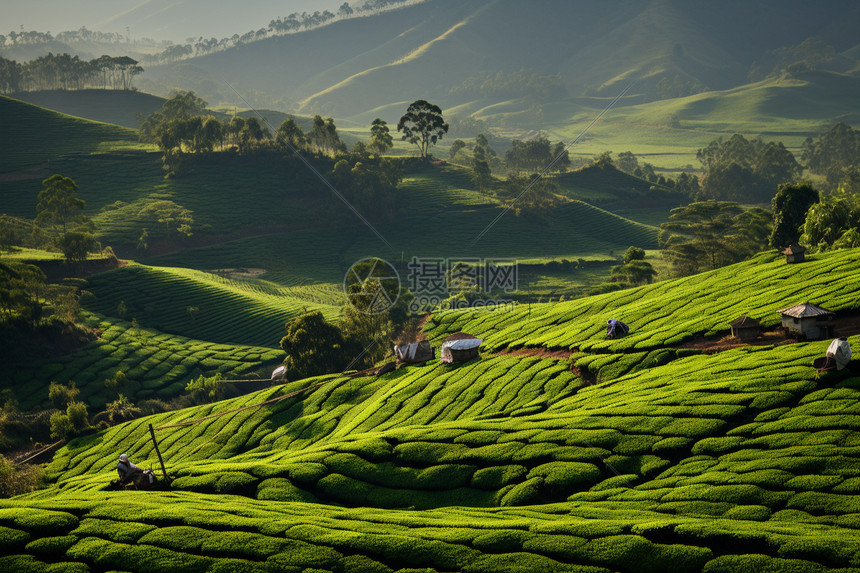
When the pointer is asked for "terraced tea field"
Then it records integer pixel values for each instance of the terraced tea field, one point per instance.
(157, 365)
(565, 452)
(207, 306)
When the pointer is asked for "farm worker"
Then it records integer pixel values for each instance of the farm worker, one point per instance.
(840, 352)
(615, 327)
(127, 470)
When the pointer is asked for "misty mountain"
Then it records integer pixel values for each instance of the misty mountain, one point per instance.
(434, 50)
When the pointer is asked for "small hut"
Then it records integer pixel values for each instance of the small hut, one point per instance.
(460, 347)
(415, 352)
(795, 253)
(807, 321)
(745, 328)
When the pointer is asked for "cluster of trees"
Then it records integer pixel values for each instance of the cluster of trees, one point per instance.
(835, 154)
(678, 87)
(534, 87)
(290, 24)
(710, 234)
(536, 155)
(34, 38)
(65, 72)
(739, 169)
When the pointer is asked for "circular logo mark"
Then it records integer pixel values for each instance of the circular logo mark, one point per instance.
(371, 285)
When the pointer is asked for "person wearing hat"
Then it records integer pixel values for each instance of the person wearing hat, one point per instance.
(127, 470)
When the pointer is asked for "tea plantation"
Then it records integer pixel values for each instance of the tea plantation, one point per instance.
(557, 451)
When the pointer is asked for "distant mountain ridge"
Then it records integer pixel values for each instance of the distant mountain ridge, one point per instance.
(595, 48)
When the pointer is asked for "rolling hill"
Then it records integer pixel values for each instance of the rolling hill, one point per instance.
(399, 56)
(557, 451)
(33, 135)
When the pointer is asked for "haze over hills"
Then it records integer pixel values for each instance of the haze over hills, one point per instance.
(427, 49)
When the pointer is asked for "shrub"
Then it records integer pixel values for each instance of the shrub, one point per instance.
(443, 477)
(11, 538)
(51, 547)
(501, 541)
(16, 479)
(748, 512)
(282, 489)
(495, 477)
(760, 564)
(566, 474)
(119, 531)
(524, 493)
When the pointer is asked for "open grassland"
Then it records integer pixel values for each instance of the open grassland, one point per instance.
(157, 365)
(630, 455)
(207, 306)
(32, 136)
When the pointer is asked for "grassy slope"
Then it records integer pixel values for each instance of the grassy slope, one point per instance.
(158, 365)
(119, 107)
(743, 460)
(33, 135)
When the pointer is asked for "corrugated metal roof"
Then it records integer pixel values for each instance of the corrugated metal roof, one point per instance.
(804, 310)
(462, 344)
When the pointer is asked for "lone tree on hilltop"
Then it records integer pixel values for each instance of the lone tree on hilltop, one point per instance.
(422, 125)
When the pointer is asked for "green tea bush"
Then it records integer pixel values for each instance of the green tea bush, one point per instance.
(282, 489)
(760, 564)
(51, 547)
(748, 512)
(812, 482)
(11, 538)
(566, 474)
(495, 477)
(119, 531)
(523, 493)
(442, 477)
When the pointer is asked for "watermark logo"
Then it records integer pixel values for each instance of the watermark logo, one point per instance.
(372, 285)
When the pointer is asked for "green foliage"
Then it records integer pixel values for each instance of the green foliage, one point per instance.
(830, 222)
(744, 170)
(380, 138)
(832, 152)
(16, 479)
(422, 125)
(314, 347)
(789, 207)
(72, 422)
(58, 203)
(709, 235)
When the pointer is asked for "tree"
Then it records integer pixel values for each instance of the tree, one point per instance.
(290, 134)
(76, 244)
(423, 125)
(314, 347)
(533, 195)
(456, 147)
(324, 138)
(636, 272)
(707, 235)
(627, 162)
(58, 201)
(364, 327)
(634, 254)
(745, 170)
(175, 218)
(831, 152)
(789, 207)
(829, 220)
(380, 138)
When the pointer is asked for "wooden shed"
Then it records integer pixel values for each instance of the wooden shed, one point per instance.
(795, 253)
(807, 321)
(745, 328)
